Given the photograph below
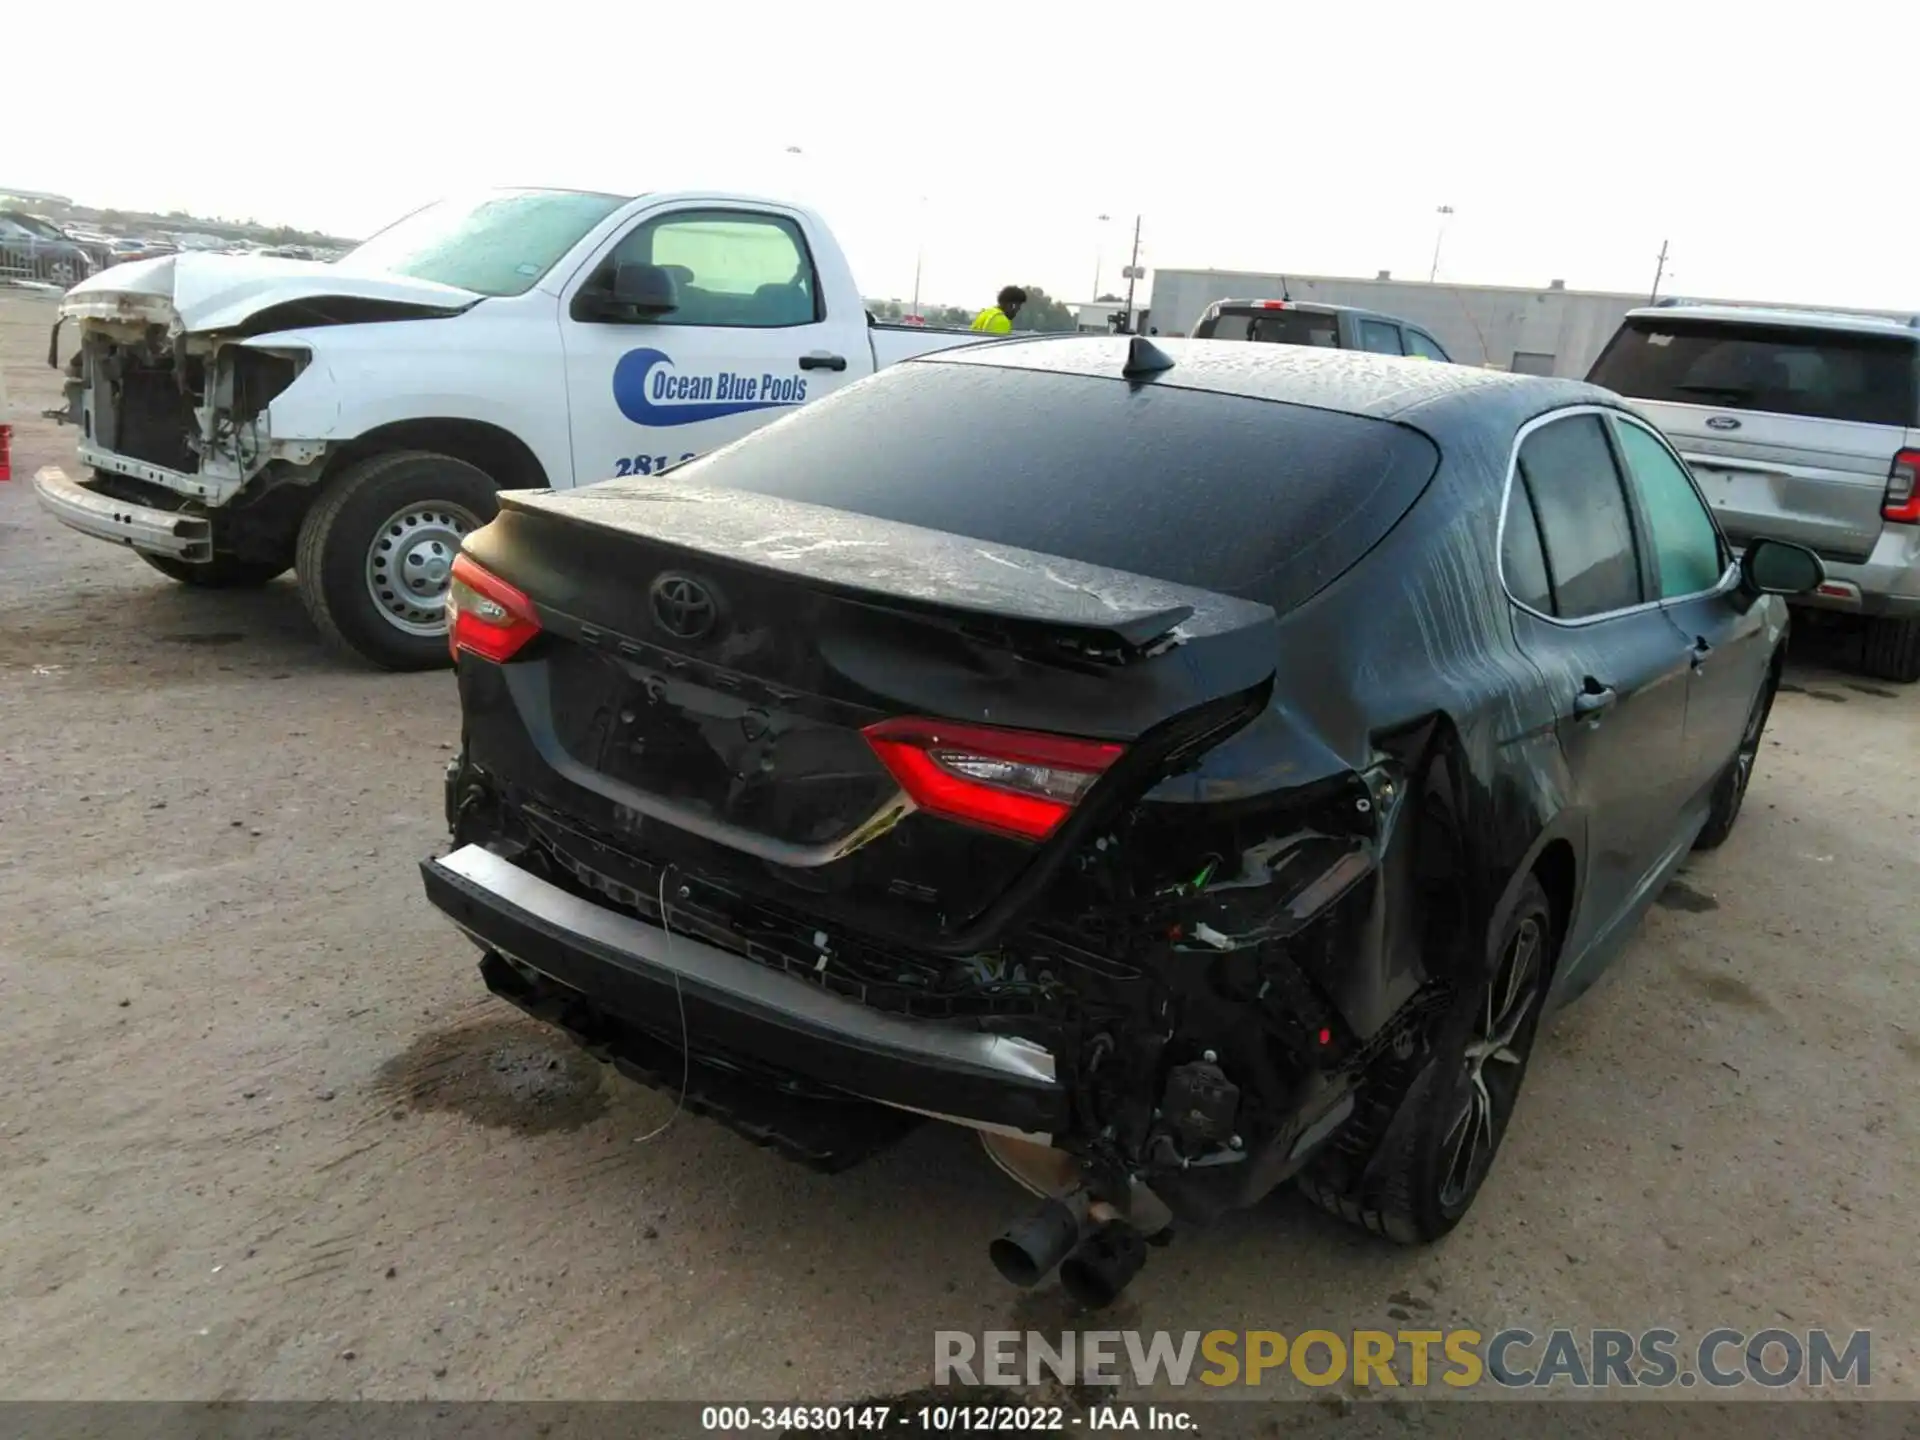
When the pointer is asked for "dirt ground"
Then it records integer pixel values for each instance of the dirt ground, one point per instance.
(262, 1133)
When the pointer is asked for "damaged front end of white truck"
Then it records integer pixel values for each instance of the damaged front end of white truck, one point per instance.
(206, 422)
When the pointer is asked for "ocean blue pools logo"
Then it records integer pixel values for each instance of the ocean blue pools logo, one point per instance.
(650, 391)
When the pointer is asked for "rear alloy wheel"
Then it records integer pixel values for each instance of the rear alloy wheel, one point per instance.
(223, 572)
(376, 554)
(1730, 791)
(1439, 1149)
(1890, 649)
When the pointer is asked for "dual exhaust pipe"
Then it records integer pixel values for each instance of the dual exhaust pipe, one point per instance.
(1096, 1251)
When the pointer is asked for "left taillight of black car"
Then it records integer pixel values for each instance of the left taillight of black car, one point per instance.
(485, 615)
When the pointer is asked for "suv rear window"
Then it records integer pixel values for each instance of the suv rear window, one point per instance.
(1251, 498)
(1274, 327)
(1784, 369)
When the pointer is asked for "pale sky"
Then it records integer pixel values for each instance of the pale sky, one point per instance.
(1772, 147)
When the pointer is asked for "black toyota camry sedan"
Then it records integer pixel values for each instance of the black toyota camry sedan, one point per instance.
(1194, 766)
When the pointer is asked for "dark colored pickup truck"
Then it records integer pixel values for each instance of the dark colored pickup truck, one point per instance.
(1301, 322)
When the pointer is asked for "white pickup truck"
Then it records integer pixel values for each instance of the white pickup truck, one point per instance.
(242, 416)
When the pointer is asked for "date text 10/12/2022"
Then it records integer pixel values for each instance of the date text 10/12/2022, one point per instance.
(941, 1419)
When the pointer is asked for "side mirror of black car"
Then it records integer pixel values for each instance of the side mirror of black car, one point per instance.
(634, 293)
(1779, 567)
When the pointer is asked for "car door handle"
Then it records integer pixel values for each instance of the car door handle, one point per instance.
(1595, 700)
(821, 360)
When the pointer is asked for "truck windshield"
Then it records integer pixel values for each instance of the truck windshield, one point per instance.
(1808, 370)
(1273, 327)
(499, 243)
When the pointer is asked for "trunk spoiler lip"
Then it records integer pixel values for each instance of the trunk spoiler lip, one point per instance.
(1089, 606)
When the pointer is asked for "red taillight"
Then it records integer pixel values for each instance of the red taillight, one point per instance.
(1010, 781)
(6, 452)
(1903, 489)
(485, 614)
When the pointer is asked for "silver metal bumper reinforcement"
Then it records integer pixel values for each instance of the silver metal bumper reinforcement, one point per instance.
(162, 532)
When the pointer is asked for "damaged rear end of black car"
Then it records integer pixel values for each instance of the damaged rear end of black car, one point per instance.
(1039, 739)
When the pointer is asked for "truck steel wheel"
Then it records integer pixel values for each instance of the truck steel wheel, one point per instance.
(376, 552)
(1437, 1151)
(223, 572)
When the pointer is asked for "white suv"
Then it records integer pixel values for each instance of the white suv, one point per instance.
(1799, 425)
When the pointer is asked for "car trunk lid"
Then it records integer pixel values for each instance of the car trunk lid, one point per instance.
(741, 669)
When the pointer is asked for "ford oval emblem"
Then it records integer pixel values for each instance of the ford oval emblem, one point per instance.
(683, 607)
(1722, 422)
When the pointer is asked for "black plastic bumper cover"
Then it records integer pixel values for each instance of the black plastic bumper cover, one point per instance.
(734, 1005)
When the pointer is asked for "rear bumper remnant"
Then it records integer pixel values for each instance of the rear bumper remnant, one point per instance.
(735, 1006)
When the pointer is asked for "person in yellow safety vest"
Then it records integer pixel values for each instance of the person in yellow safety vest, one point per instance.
(997, 319)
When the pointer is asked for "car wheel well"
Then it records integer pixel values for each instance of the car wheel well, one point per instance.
(1556, 871)
(500, 454)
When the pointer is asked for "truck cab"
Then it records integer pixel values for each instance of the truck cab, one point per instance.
(1302, 322)
(240, 416)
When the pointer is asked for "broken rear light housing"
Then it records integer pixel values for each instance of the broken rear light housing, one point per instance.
(485, 615)
(1902, 503)
(1012, 782)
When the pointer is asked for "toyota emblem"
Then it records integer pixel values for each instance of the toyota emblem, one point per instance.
(683, 607)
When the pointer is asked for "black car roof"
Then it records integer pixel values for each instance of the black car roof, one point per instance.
(1428, 394)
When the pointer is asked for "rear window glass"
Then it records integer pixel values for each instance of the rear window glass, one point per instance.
(1786, 370)
(1251, 498)
(1272, 327)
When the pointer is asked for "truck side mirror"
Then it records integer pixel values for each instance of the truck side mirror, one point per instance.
(648, 289)
(633, 292)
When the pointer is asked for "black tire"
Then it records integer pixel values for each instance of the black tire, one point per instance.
(1890, 649)
(1423, 1184)
(223, 572)
(1730, 791)
(382, 517)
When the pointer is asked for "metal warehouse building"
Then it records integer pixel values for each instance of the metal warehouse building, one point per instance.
(1555, 331)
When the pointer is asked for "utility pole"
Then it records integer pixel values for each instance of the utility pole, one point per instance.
(1133, 274)
(1443, 211)
(1099, 254)
(1659, 269)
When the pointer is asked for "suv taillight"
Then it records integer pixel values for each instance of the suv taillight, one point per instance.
(6, 452)
(485, 614)
(1011, 781)
(1903, 489)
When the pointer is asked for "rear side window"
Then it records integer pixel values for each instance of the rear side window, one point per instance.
(1272, 327)
(1380, 337)
(1522, 560)
(1585, 528)
(1260, 500)
(1684, 539)
(1784, 369)
(1425, 346)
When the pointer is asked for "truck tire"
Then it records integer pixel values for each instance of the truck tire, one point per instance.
(223, 572)
(1890, 649)
(376, 549)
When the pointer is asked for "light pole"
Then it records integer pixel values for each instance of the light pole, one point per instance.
(919, 252)
(1099, 255)
(1133, 273)
(1443, 211)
